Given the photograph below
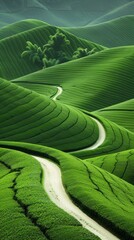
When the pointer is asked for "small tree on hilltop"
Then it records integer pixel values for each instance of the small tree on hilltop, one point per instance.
(82, 52)
(55, 48)
(34, 52)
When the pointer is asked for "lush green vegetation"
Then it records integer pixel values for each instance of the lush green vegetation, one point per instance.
(69, 100)
(121, 113)
(53, 52)
(11, 48)
(120, 164)
(34, 216)
(105, 197)
(30, 117)
(96, 81)
(117, 139)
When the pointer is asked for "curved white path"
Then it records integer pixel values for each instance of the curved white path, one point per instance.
(100, 140)
(59, 92)
(102, 133)
(56, 192)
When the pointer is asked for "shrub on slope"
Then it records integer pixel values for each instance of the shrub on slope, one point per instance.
(13, 66)
(92, 82)
(30, 117)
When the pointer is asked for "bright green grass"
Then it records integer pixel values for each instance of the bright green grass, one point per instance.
(117, 139)
(18, 27)
(47, 90)
(34, 216)
(13, 65)
(30, 117)
(122, 114)
(120, 164)
(105, 197)
(117, 32)
(93, 82)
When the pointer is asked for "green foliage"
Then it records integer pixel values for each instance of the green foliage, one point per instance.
(38, 119)
(82, 52)
(34, 216)
(54, 52)
(33, 52)
(105, 197)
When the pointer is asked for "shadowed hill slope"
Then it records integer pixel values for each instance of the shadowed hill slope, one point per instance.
(118, 32)
(122, 10)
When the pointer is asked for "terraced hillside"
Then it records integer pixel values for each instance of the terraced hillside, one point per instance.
(67, 130)
(122, 114)
(28, 203)
(18, 27)
(11, 48)
(96, 81)
(120, 164)
(89, 186)
(109, 34)
(29, 117)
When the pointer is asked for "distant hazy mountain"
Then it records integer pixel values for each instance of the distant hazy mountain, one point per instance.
(57, 12)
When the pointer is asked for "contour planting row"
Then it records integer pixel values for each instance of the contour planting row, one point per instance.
(13, 66)
(103, 196)
(117, 139)
(109, 34)
(34, 216)
(92, 82)
(121, 113)
(30, 117)
(120, 164)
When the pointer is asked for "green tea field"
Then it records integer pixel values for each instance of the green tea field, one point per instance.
(66, 120)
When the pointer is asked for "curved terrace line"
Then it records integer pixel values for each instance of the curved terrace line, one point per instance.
(53, 186)
(100, 140)
(102, 133)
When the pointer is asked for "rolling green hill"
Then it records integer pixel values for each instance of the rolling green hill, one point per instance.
(109, 34)
(93, 82)
(13, 66)
(34, 216)
(120, 164)
(30, 117)
(103, 196)
(18, 27)
(122, 114)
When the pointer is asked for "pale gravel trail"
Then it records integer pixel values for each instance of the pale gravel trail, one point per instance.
(102, 133)
(53, 186)
(59, 92)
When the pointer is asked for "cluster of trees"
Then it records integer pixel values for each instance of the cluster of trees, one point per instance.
(54, 52)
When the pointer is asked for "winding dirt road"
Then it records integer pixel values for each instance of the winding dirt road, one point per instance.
(53, 186)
